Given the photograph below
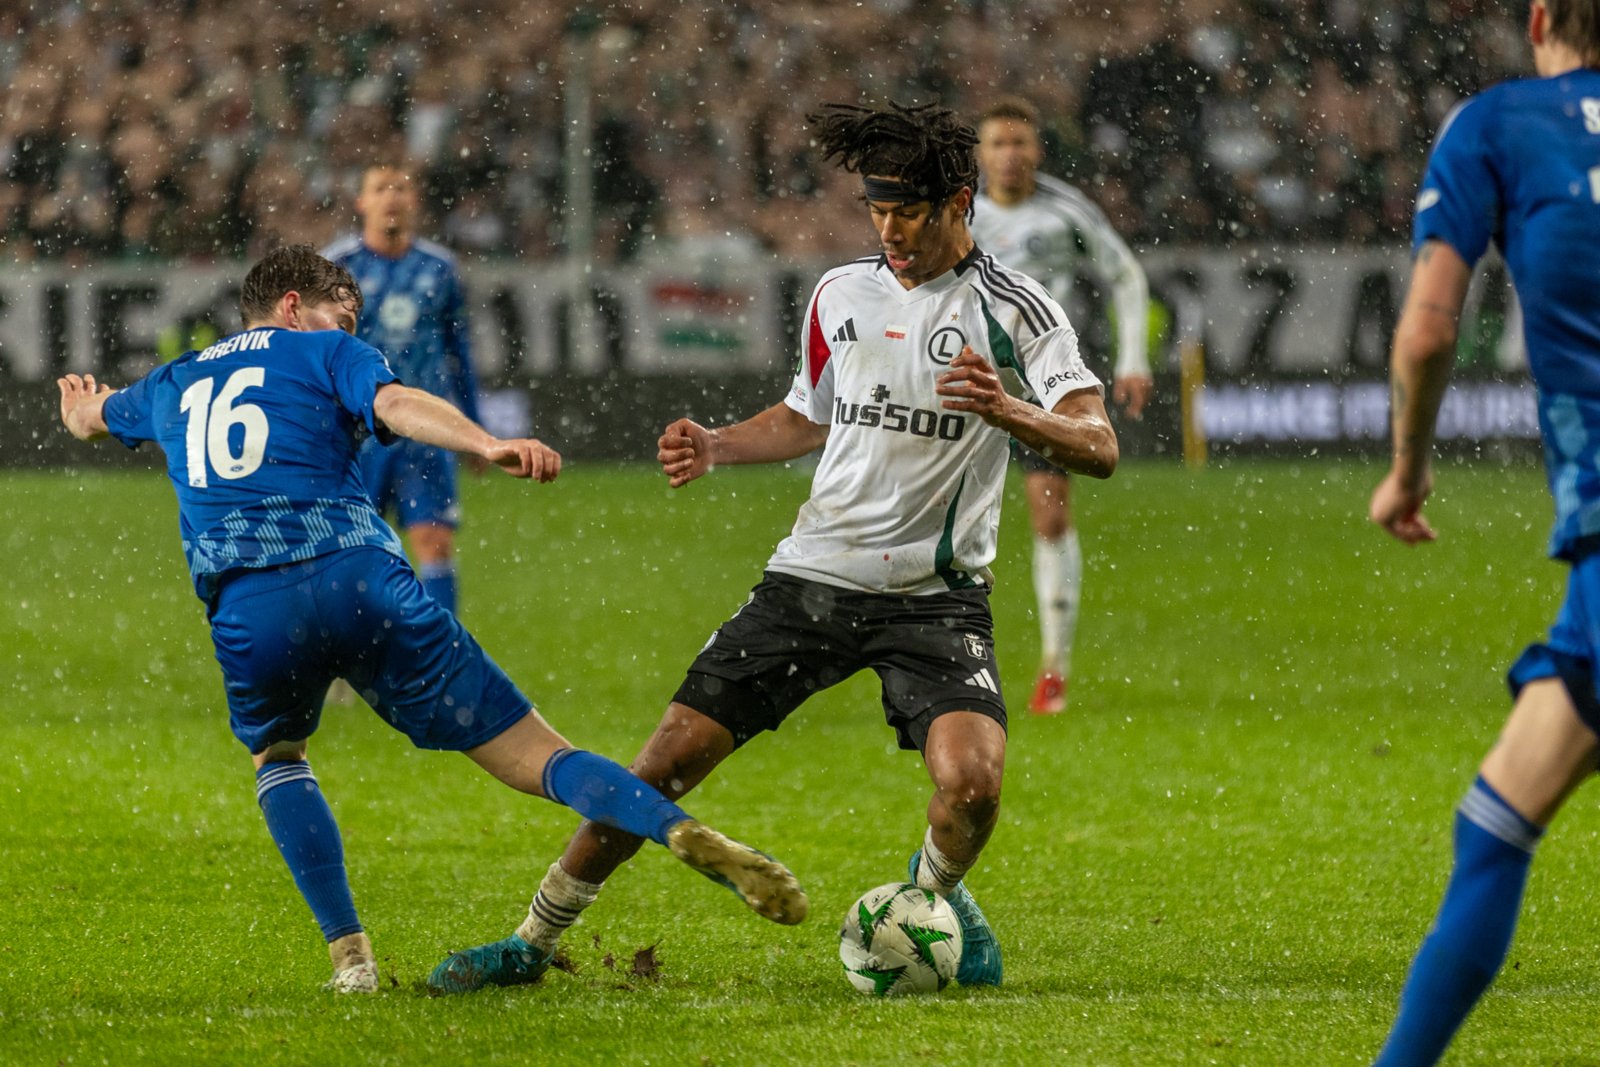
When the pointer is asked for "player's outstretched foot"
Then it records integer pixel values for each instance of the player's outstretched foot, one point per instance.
(980, 949)
(1049, 694)
(761, 881)
(509, 962)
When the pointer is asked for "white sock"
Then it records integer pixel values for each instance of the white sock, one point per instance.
(937, 871)
(558, 903)
(1057, 582)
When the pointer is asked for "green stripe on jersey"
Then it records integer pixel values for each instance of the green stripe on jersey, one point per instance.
(945, 553)
(1005, 353)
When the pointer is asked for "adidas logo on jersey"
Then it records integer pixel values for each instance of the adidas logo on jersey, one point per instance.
(847, 332)
(984, 680)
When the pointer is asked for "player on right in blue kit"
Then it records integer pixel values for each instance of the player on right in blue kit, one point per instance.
(303, 582)
(1519, 165)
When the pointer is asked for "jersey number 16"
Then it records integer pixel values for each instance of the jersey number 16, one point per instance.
(211, 424)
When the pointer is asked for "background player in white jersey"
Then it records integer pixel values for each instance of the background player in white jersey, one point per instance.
(887, 565)
(1047, 229)
(415, 314)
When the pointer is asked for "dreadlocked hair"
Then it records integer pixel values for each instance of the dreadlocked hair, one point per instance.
(927, 147)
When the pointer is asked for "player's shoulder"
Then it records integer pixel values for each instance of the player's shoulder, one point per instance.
(1064, 198)
(1485, 110)
(856, 272)
(343, 248)
(862, 267)
(1006, 288)
(435, 251)
(990, 276)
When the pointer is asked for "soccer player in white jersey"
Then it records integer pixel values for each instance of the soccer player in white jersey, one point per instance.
(1045, 228)
(902, 383)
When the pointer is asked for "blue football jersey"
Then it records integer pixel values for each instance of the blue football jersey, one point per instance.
(1519, 165)
(261, 431)
(415, 313)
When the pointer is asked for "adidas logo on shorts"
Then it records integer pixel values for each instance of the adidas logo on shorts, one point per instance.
(984, 680)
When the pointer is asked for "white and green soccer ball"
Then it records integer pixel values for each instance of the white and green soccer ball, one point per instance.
(899, 939)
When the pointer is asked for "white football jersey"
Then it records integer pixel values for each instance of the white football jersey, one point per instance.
(1049, 234)
(906, 498)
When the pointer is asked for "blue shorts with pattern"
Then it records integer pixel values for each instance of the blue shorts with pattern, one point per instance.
(283, 634)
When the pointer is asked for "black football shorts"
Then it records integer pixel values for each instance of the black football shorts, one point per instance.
(793, 637)
(1032, 462)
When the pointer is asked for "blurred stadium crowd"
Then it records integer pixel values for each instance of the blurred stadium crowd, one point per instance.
(207, 129)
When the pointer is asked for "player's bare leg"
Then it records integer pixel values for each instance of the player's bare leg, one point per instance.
(965, 755)
(1057, 581)
(518, 755)
(674, 761)
(684, 749)
(1544, 752)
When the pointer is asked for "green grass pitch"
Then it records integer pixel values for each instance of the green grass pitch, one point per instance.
(1224, 854)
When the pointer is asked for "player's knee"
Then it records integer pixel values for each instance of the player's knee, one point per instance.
(431, 542)
(971, 792)
(281, 752)
(685, 748)
(1053, 525)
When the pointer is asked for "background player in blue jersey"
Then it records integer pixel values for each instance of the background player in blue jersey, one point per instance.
(415, 314)
(1518, 165)
(303, 581)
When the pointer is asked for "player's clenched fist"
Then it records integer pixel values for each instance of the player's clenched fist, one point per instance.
(972, 385)
(1397, 507)
(684, 452)
(527, 458)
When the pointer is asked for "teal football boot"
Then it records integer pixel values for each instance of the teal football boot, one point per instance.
(980, 949)
(509, 962)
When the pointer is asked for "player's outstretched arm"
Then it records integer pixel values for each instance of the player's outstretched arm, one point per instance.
(1076, 434)
(1419, 372)
(424, 417)
(688, 450)
(82, 404)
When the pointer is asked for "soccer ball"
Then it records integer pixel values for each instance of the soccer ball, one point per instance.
(900, 938)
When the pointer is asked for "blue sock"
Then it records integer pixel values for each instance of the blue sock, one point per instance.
(600, 790)
(303, 829)
(1468, 943)
(439, 582)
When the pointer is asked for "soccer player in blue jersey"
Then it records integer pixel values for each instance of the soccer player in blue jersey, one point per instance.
(303, 581)
(415, 314)
(1519, 165)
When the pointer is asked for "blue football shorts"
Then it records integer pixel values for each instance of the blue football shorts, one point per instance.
(416, 481)
(1572, 650)
(283, 634)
